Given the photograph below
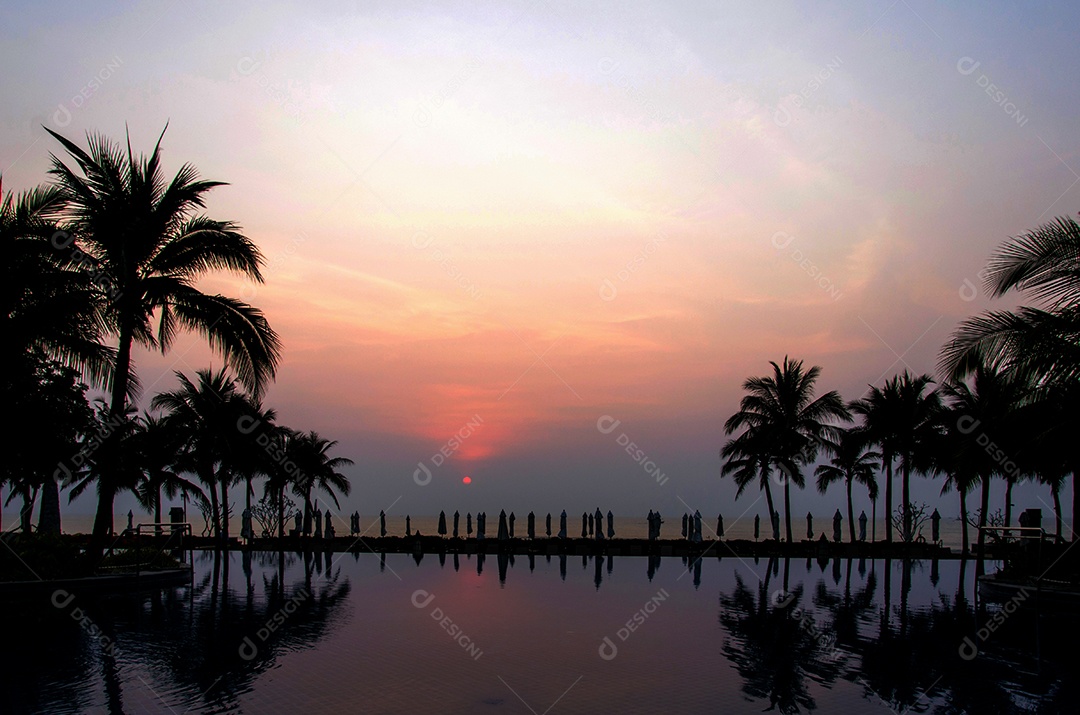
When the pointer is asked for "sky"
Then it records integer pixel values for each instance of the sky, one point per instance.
(526, 235)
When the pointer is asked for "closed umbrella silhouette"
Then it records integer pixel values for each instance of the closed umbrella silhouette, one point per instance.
(562, 525)
(862, 526)
(837, 520)
(720, 526)
(584, 525)
(809, 525)
(504, 533)
(468, 524)
(776, 526)
(457, 517)
(442, 523)
(697, 526)
(599, 520)
(685, 518)
(935, 526)
(382, 523)
(547, 528)
(408, 526)
(610, 525)
(512, 524)
(531, 525)
(757, 526)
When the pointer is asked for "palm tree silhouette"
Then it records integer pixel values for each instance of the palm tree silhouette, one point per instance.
(851, 462)
(786, 413)
(316, 469)
(900, 419)
(747, 459)
(150, 244)
(209, 415)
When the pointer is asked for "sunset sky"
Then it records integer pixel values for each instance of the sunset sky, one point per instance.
(530, 216)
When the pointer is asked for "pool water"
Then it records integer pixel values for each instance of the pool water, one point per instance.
(295, 633)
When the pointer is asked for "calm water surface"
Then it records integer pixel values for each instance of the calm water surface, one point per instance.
(359, 633)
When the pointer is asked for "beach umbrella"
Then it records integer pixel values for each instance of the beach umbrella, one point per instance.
(757, 526)
(329, 525)
(837, 520)
(296, 521)
(935, 526)
(809, 525)
(658, 521)
(547, 530)
(408, 526)
(457, 518)
(720, 526)
(599, 524)
(468, 524)
(512, 518)
(481, 525)
(584, 525)
(862, 526)
(382, 523)
(442, 523)
(649, 521)
(590, 524)
(504, 533)
(685, 518)
(610, 525)
(531, 525)
(318, 523)
(697, 527)
(562, 525)
(776, 526)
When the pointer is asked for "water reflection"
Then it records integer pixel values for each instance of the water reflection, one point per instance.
(771, 634)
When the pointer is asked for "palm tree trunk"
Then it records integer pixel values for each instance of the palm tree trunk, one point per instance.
(157, 509)
(1008, 504)
(103, 519)
(982, 522)
(49, 512)
(1057, 512)
(787, 508)
(963, 520)
(906, 506)
(281, 512)
(888, 498)
(768, 493)
(224, 479)
(873, 522)
(26, 514)
(850, 517)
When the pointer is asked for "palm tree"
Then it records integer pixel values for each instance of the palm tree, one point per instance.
(783, 407)
(953, 457)
(159, 447)
(900, 419)
(989, 415)
(49, 302)
(149, 245)
(316, 469)
(748, 457)
(851, 462)
(208, 414)
(1042, 342)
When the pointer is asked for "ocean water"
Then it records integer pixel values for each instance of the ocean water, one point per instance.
(328, 633)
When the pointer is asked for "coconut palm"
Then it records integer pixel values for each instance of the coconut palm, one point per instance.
(783, 407)
(953, 458)
(208, 413)
(900, 418)
(748, 458)
(851, 463)
(1043, 342)
(150, 244)
(159, 447)
(317, 470)
(988, 416)
(49, 302)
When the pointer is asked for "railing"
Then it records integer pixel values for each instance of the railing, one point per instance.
(172, 531)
